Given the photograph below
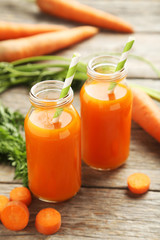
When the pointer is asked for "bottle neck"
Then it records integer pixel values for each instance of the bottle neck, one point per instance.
(46, 95)
(103, 68)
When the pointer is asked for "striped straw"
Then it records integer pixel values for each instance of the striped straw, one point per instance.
(122, 61)
(67, 84)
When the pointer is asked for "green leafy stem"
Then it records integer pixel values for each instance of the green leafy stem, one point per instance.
(32, 70)
(29, 71)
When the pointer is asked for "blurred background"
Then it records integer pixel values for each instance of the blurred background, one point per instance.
(143, 15)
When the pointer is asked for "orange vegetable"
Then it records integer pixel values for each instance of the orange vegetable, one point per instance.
(21, 194)
(76, 11)
(40, 44)
(48, 221)
(146, 113)
(15, 216)
(10, 30)
(138, 183)
(3, 202)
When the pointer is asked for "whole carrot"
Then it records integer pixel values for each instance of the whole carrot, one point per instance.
(10, 30)
(146, 113)
(40, 44)
(76, 11)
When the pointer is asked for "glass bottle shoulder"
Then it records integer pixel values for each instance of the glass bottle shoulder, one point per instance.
(40, 119)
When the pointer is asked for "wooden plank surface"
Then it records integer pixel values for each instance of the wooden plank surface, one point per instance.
(99, 214)
(104, 208)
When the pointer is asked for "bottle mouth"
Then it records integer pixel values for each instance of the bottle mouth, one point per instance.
(46, 94)
(103, 68)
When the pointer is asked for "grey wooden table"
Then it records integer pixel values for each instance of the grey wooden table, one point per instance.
(104, 208)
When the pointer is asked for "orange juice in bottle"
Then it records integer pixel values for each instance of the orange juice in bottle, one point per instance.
(105, 117)
(53, 149)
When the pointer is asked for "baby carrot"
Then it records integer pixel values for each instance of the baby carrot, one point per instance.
(40, 44)
(48, 221)
(146, 113)
(21, 194)
(73, 10)
(15, 216)
(138, 183)
(3, 202)
(11, 30)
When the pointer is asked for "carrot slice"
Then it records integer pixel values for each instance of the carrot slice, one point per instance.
(21, 194)
(48, 221)
(15, 216)
(138, 183)
(3, 202)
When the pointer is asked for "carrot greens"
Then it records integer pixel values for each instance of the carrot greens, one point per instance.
(29, 71)
(12, 144)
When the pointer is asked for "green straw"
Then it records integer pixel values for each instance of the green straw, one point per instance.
(122, 61)
(67, 84)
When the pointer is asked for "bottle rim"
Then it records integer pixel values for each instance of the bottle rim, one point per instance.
(46, 86)
(105, 76)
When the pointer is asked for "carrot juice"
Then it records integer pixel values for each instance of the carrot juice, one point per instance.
(105, 117)
(53, 149)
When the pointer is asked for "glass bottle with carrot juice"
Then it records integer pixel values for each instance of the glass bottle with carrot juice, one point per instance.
(53, 149)
(105, 116)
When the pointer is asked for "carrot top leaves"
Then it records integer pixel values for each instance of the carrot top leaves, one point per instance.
(29, 71)
(12, 144)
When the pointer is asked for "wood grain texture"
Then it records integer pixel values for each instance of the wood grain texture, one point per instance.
(104, 44)
(97, 213)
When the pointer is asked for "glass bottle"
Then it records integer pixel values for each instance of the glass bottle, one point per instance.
(53, 149)
(105, 116)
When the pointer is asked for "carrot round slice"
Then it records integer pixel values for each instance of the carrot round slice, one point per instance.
(3, 202)
(15, 216)
(48, 221)
(21, 194)
(138, 183)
